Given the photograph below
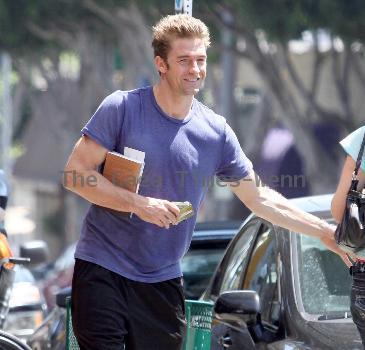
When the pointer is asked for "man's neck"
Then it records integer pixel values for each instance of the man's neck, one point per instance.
(176, 106)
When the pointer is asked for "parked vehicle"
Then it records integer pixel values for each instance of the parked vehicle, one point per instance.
(7, 340)
(275, 289)
(207, 248)
(51, 334)
(27, 305)
(60, 276)
(25, 296)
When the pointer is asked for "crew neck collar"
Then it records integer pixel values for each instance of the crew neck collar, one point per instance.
(168, 117)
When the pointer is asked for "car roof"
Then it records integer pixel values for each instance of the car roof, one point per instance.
(317, 205)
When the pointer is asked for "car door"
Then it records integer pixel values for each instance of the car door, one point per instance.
(258, 272)
(229, 276)
(263, 276)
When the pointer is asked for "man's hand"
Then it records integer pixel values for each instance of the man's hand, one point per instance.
(157, 211)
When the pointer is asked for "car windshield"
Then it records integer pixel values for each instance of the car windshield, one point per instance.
(323, 277)
(198, 266)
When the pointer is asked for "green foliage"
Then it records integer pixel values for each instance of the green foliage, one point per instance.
(283, 20)
(54, 223)
(14, 36)
(344, 18)
(19, 130)
(50, 16)
(17, 150)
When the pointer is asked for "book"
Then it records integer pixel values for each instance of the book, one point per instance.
(124, 170)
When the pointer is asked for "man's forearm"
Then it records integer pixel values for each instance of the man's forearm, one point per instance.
(273, 207)
(95, 188)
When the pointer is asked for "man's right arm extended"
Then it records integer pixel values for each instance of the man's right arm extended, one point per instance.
(81, 176)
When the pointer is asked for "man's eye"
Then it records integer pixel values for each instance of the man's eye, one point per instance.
(184, 60)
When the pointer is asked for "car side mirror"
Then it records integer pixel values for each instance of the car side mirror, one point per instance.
(238, 306)
(37, 251)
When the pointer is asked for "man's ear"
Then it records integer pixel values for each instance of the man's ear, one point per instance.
(161, 65)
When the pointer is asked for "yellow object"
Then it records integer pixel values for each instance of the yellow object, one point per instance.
(5, 251)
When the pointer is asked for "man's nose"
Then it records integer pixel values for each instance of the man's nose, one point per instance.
(194, 67)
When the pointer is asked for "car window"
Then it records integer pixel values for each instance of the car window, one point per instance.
(238, 257)
(262, 274)
(323, 277)
(198, 266)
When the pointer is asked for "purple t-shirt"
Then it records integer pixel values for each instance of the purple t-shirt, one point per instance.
(181, 159)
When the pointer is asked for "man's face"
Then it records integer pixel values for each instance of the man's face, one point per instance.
(185, 70)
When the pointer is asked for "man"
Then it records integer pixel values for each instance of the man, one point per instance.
(127, 278)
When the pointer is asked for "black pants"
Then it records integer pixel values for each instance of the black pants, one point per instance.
(358, 298)
(110, 310)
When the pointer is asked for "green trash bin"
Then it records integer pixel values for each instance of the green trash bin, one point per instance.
(71, 342)
(199, 316)
(198, 331)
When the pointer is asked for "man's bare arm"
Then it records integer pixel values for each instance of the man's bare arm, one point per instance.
(81, 176)
(275, 208)
(272, 206)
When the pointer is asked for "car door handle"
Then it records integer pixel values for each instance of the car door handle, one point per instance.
(226, 341)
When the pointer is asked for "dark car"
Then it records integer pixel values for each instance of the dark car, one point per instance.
(207, 247)
(206, 250)
(275, 289)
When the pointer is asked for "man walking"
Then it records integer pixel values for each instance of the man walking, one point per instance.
(127, 286)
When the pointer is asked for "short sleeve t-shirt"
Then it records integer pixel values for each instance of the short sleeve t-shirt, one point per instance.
(352, 143)
(181, 159)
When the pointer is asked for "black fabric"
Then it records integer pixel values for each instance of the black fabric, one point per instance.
(358, 298)
(350, 233)
(109, 310)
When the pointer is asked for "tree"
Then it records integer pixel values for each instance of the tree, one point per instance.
(266, 29)
(88, 35)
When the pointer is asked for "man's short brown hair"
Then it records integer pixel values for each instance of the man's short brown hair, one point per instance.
(177, 26)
